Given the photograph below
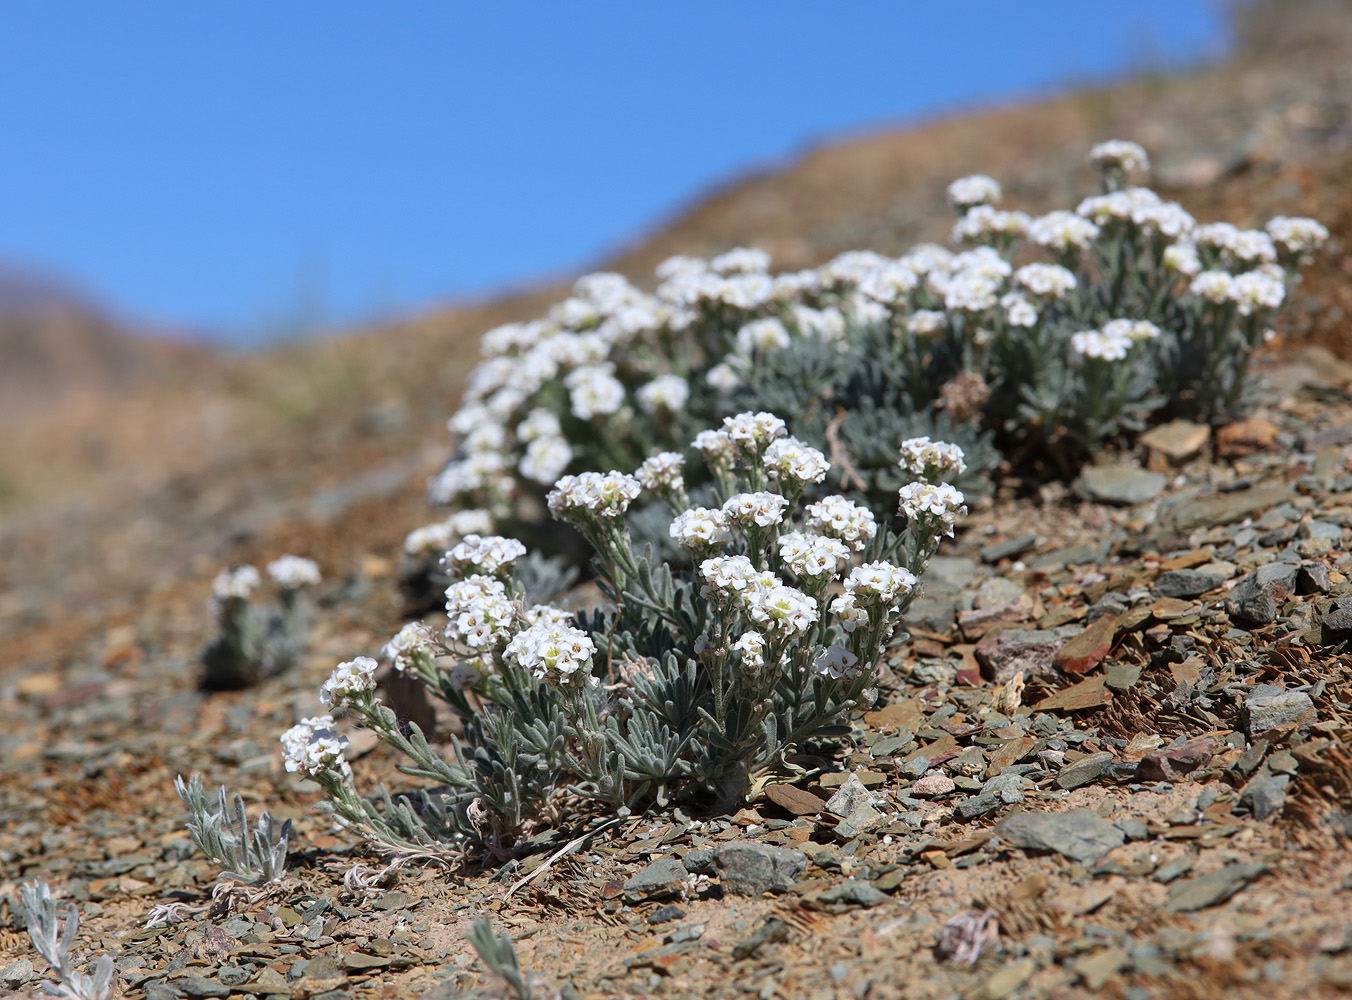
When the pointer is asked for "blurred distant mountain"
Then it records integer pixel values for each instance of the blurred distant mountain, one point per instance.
(56, 341)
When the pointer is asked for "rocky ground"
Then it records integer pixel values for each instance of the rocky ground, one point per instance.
(1160, 809)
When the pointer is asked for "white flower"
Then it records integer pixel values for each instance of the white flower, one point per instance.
(464, 477)
(924, 499)
(1253, 246)
(1018, 310)
(665, 393)
(1062, 231)
(349, 679)
(543, 614)
(539, 423)
(485, 437)
(545, 459)
(485, 554)
(1214, 286)
(594, 391)
(932, 459)
(848, 612)
(983, 221)
(1221, 236)
(1133, 330)
(662, 471)
(722, 378)
(413, 639)
(811, 556)
(978, 189)
(470, 416)
(745, 291)
(1048, 281)
(606, 495)
(879, 581)
(741, 260)
(311, 746)
(751, 647)
(752, 431)
(1118, 154)
(716, 447)
(730, 574)
(429, 540)
(699, 528)
(1255, 290)
(890, 284)
(791, 459)
(781, 609)
(745, 510)
(461, 594)
(679, 265)
(484, 621)
(1297, 235)
(552, 652)
(1168, 219)
(826, 324)
(837, 517)
(293, 572)
(972, 292)
(852, 267)
(866, 312)
(834, 662)
(1182, 257)
(237, 582)
(762, 335)
(924, 322)
(1099, 345)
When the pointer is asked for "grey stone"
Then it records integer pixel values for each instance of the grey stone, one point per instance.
(1265, 794)
(1119, 484)
(1313, 578)
(748, 869)
(1208, 890)
(1269, 711)
(665, 913)
(949, 573)
(16, 973)
(1133, 829)
(1171, 870)
(1084, 771)
(1073, 555)
(997, 592)
(197, 986)
(1002, 790)
(864, 818)
(1008, 549)
(851, 892)
(1080, 834)
(700, 861)
(1185, 583)
(664, 877)
(1321, 529)
(1258, 596)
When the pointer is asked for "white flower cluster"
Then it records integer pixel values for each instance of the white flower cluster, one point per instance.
(812, 556)
(662, 472)
(752, 432)
(666, 393)
(553, 652)
(700, 528)
(1297, 235)
(348, 680)
(837, 517)
(1046, 281)
(932, 460)
(487, 554)
(791, 461)
(414, 639)
(236, 583)
(311, 747)
(941, 503)
(435, 540)
(594, 494)
(293, 572)
(1118, 154)
(754, 510)
(968, 192)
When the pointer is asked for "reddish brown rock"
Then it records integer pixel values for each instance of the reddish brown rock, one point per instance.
(795, 800)
(1086, 651)
(1030, 652)
(1174, 763)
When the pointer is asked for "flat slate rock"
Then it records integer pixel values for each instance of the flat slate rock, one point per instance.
(1211, 889)
(1123, 484)
(749, 869)
(1079, 834)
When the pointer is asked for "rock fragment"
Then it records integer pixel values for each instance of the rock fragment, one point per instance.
(749, 869)
(1079, 834)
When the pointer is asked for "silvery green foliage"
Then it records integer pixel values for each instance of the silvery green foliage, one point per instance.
(255, 857)
(54, 944)
(258, 640)
(697, 672)
(498, 953)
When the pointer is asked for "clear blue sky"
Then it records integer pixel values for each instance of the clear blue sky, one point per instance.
(246, 169)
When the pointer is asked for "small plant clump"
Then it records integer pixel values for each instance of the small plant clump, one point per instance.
(255, 857)
(694, 677)
(1047, 334)
(258, 640)
(54, 940)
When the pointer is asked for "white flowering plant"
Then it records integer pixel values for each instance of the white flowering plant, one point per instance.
(693, 676)
(1051, 333)
(255, 639)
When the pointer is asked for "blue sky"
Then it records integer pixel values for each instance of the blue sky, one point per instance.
(249, 170)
